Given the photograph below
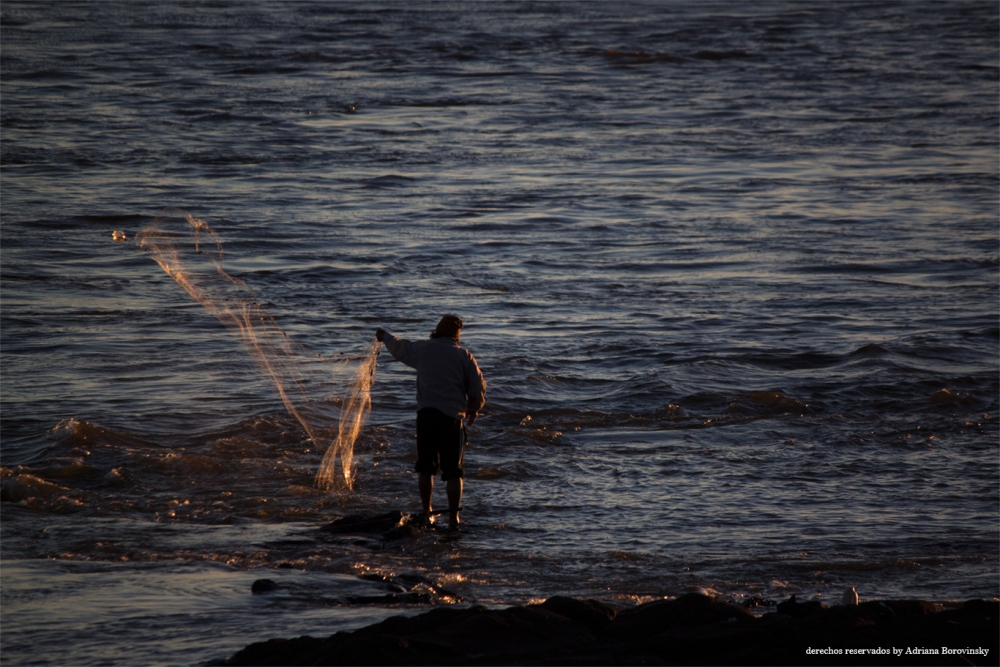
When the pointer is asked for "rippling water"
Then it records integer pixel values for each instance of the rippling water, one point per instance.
(731, 274)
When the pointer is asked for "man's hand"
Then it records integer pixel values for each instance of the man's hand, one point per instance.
(379, 335)
(471, 418)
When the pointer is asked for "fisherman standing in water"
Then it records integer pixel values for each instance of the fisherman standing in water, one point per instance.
(450, 393)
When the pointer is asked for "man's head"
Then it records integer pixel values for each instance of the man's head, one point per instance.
(450, 326)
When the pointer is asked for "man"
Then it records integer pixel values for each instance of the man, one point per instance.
(450, 391)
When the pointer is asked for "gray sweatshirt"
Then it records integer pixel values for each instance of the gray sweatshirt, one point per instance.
(448, 377)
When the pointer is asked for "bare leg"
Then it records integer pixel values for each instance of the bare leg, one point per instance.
(426, 484)
(454, 500)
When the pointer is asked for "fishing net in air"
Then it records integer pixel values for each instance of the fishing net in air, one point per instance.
(190, 251)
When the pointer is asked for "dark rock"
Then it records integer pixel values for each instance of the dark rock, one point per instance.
(263, 586)
(366, 523)
(513, 631)
(593, 615)
(403, 531)
(756, 601)
(652, 618)
(789, 602)
(405, 583)
(391, 525)
(691, 629)
(791, 607)
(986, 608)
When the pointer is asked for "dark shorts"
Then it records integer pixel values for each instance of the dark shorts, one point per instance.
(440, 444)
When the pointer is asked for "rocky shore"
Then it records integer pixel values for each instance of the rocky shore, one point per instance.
(689, 630)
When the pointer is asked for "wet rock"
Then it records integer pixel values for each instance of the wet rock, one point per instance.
(593, 615)
(263, 586)
(405, 589)
(391, 526)
(795, 609)
(989, 609)
(366, 523)
(407, 529)
(691, 629)
(757, 601)
(652, 618)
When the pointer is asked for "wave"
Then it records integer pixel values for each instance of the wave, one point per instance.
(37, 493)
(261, 468)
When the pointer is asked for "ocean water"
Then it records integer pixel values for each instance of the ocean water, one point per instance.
(730, 271)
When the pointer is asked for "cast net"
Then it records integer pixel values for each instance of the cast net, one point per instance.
(190, 251)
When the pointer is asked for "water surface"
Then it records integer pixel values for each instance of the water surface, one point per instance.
(731, 274)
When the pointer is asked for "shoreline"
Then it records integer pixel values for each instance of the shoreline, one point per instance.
(690, 629)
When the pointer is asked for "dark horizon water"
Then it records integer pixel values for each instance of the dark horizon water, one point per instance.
(731, 273)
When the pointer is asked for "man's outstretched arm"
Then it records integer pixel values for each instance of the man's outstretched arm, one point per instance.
(400, 348)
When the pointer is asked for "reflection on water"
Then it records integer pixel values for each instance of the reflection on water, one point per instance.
(179, 615)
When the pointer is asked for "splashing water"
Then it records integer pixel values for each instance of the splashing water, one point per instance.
(190, 251)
